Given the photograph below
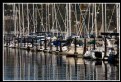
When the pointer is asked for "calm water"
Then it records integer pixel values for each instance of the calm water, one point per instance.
(23, 65)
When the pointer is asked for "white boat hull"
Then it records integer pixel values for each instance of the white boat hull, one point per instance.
(93, 54)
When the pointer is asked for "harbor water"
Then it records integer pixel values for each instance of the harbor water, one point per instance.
(23, 65)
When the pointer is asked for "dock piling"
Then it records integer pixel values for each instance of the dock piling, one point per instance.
(57, 45)
(32, 42)
(105, 52)
(94, 42)
(45, 41)
(60, 46)
(36, 43)
(75, 48)
(24, 41)
(40, 44)
(50, 46)
(84, 46)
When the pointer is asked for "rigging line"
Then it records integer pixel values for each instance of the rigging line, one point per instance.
(17, 16)
(39, 13)
(111, 17)
(58, 20)
(31, 18)
(89, 17)
(54, 17)
(25, 17)
(80, 29)
(96, 12)
(59, 27)
(93, 19)
(39, 16)
(80, 24)
(61, 16)
(75, 13)
(86, 29)
(83, 17)
(36, 17)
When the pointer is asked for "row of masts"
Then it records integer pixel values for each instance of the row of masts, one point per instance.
(22, 29)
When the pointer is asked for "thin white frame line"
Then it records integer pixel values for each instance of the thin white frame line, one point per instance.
(3, 41)
(55, 80)
(59, 3)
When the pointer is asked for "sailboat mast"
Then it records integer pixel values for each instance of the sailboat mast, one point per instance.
(81, 7)
(56, 21)
(102, 18)
(89, 21)
(118, 17)
(92, 16)
(4, 21)
(55, 16)
(22, 19)
(36, 19)
(95, 21)
(15, 20)
(19, 20)
(33, 19)
(46, 18)
(17, 29)
(28, 18)
(42, 18)
(65, 21)
(69, 19)
(52, 19)
(76, 20)
(105, 19)
(14, 17)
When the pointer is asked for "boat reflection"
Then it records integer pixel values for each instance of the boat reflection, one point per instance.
(23, 65)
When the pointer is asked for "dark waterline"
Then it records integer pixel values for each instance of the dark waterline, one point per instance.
(23, 65)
